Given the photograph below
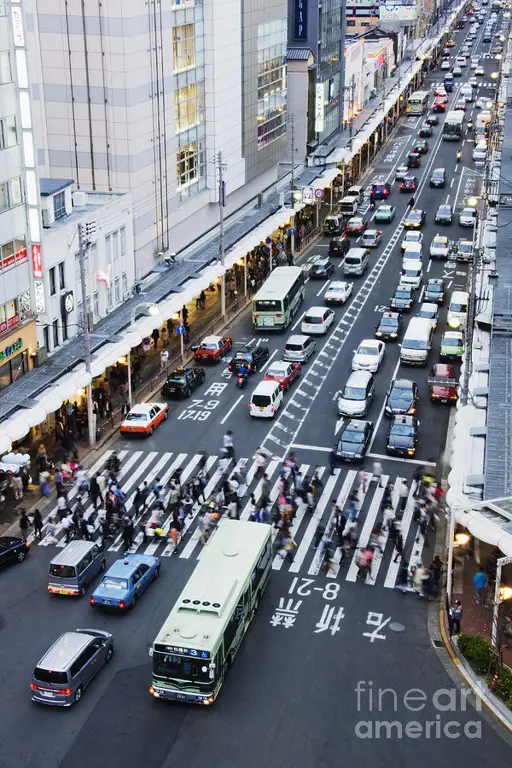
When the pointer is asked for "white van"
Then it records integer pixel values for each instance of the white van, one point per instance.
(266, 400)
(412, 273)
(412, 252)
(348, 206)
(357, 192)
(417, 341)
(458, 309)
(356, 262)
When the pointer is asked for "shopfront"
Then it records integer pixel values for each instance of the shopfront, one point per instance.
(16, 350)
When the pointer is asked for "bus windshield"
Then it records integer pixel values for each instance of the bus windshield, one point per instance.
(170, 666)
(268, 305)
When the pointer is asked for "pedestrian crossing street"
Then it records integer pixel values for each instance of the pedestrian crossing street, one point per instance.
(137, 466)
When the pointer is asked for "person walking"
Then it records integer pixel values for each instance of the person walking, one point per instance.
(480, 584)
(68, 527)
(95, 492)
(456, 618)
(403, 496)
(377, 473)
(228, 444)
(437, 572)
(333, 460)
(24, 524)
(37, 522)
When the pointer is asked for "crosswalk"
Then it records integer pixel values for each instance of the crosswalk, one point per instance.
(138, 466)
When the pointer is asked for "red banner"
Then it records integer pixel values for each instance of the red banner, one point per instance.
(37, 262)
(12, 321)
(21, 256)
(8, 262)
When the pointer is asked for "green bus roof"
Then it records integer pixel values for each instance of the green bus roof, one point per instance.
(203, 609)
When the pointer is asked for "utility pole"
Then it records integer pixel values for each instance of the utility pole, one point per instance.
(222, 245)
(292, 176)
(83, 245)
(351, 103)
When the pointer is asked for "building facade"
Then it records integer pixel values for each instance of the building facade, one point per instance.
(109, 261)
(22, 297)
(141, 97)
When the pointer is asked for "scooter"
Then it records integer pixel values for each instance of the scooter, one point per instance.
(459, 155)
(241, 380)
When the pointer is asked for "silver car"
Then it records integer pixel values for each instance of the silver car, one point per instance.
(299, 348)
(357, 394)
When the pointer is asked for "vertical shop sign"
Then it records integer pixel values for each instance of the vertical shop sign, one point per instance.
(319, 108)
(301, 19)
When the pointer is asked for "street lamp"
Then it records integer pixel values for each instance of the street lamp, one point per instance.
(500, 594)
(149, 308)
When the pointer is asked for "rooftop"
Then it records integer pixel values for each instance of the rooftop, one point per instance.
(52, 186)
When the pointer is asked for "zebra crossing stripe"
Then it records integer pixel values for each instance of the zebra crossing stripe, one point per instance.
(392, 573)
(369, 525)
(269, 471)
(384, 537)
(278, 561)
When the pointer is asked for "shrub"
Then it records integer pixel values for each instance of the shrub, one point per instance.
(477, 650)
(503, 686)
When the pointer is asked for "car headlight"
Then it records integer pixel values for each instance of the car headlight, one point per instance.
(378, 333)
(393, 335)
(411, 452)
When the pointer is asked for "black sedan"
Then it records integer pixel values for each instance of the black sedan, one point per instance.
(432, 120)
(434, 291)
(321, 269)
(420, 146)
(402, 436)
(354, 440)
(402, 299)
(339, 246)
(444, 214)
(183, 381)
(425, 131)
(251, 358)
(389, 326)
(408, 184)
(401, 397)
(13, 550)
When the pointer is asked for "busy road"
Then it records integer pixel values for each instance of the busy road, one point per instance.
(298, 692)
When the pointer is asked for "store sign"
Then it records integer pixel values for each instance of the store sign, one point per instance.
(319, 108)
(37, 262)
(307, 195)
(21, 256)
(301, 19)
(39, 297)
(398, 13)
(17, 27)
(67, 303)
(11, 350)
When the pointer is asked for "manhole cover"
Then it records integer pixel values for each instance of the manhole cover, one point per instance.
(396, 627)
(438, 643)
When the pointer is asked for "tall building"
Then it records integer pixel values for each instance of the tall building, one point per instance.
(317, 27)
(22, 292)
(141, 96)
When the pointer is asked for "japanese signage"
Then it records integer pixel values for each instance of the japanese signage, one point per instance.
(39, 296)
(319, 108)
(17, 27)
(182, 651)
(37, 262)
(67, 303)
(301, 19)
(398, 13)
(11, 349)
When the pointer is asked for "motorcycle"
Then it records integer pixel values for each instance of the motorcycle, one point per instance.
(241, 380)
(459, 155)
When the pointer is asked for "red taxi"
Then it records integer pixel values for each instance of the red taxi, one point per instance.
(213, 348)
(439, 106)
(143, 418)
(283, 372)
(356, 226)
(443, 384)
(441, 94)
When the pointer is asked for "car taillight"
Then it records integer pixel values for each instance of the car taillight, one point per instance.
(272, 409)
(65, 691)
(411, 452)
(91, 600)
(121, 604)
(249, 405)
(278, 314)
(34, 687)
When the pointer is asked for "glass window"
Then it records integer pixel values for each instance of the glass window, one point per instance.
(189, 163)
(272, 86)
(15, 191)
(108, 249)
(115, 244)
(117, 291)
(122, 241)
(55, 325)
(62, 276)
(183, 47)
(48, 676)
(7, 255)
(189, 106)
(52, 281)
(5, 67)
(59, 205)
(96, 304)
(125, 284)
(64, 326)
(4, 196)
(3, 7)
(11, 310)
(5, 375)
(110, 299)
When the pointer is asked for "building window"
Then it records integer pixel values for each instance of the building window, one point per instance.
(8, 132)
(62, 276)
(52, 282)
(3, 7)
(5, 67)
(115, 244)
(190, 161)
(4, 196)
(55, 325)
(96, 305)
(117, 291)
(124, 278)
(122, 241)
(110, 299)
(272, 91)
(183, 47)
(189, 106)
(59, 205)
(46, 336)
(108, 249)
(65, 328)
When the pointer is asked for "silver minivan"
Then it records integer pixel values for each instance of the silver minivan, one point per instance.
(299, 348)
(356, 262)
(74, 567)
(69, 666)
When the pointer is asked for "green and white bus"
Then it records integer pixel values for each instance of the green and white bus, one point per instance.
(278, 299)
(417, 103)
(453, 125)
(199, 640)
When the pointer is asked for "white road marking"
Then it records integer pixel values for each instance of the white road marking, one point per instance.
(324, 286)
(299, 321)
(399, 458)
(382, 410)
(265, 365)
(228, 414)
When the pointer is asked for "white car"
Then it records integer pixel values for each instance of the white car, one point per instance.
(412, 273)
(461, 61)
(479, 70)
(473, 81)
(467, 217)
(429, 311)
(368, 356)
(412, 236)
(317, 321)
(446, 64)
(439, 247)
(474, 63)
(479, 154)
(483, 103)
(338, 292)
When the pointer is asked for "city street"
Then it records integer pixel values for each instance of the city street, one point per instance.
(300, 692)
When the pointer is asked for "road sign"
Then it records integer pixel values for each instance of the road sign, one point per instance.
(180, 329)
(319, 193)
(292, 231)
(307, 194)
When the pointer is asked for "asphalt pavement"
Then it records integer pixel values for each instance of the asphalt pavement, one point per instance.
(300, 692)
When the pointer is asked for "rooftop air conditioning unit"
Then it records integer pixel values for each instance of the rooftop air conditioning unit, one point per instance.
(79, 199)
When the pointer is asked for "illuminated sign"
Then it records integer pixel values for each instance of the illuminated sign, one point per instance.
(37, 262)
(398, 13)
(182, 651)
(11, 349)
(319, 108)
(301, 19)
(67, 303)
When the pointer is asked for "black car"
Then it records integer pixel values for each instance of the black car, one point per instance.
(380, 190)
(183, 381)
(425, 131)
(389, 326)
(432, 120)
(403, 299)
(401, 397)
(438, 178)
(354, 440)
(420, 146)
(434, 291)
(413, 160)
(321, 269)
(251, 358)
(339, 246)
(444, 214)
(12, 550)
(409, 183)
(402, 436)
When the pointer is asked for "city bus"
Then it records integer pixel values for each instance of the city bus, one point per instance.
(278, 299)
(418, 103)
(453, 126)
(201, 636)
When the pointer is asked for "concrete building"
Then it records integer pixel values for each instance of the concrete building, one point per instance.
(317, 28)
(22, 296)
(109, 262)
(141, 97)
